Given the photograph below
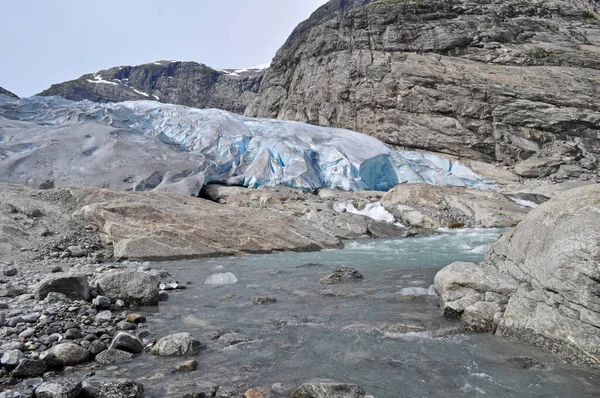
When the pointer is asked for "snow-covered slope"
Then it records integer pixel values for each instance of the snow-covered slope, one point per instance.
(145, 145)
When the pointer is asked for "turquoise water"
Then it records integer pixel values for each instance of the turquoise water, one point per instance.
(367, 332)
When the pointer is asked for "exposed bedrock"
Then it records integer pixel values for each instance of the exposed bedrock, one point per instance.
(145, 225)
(490, 80)
(540, 282)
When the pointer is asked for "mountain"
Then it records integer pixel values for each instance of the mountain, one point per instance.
(495, 80)
(183, 83)
(145, 145)
(7, 93)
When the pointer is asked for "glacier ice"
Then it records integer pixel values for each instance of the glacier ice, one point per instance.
(226, 148)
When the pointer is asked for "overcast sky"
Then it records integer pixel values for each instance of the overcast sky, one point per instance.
(50, 41)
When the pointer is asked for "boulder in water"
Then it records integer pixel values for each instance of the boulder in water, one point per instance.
(540, 282)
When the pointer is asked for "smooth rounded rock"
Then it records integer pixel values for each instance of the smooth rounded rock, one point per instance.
(70, 354)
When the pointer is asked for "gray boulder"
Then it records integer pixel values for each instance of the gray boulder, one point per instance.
(11, 358)
(75, 287)
(121, 388)
(126, 342)
(64, 388)
(430, 206)
(539, 282)
(342, 275)
(30, 368)
(70, 353)
(178, 344)
(130, 286)
(111, 356)
(323, 388)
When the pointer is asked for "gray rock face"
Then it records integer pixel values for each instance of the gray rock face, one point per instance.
(7, 93)
(70, 353)
(486, 80)
(182, 83)
(322, 388)
(75, 287)
(430, 206)
(539, 282)
(178, 344)
(130, 286)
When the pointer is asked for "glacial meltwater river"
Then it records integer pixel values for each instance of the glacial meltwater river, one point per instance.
(369, 332)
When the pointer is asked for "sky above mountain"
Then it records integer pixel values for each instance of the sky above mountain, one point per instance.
(46, 42)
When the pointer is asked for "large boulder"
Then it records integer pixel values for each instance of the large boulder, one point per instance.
(69, 353)
(161, 226)
(432, 206)
(133, 287)
(178, 344)
(75, 287)
(64, 388)
(540, 282)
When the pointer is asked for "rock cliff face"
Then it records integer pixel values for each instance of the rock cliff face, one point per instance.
(183, 83)
(540, 282)
(7, 93)
(490, 80)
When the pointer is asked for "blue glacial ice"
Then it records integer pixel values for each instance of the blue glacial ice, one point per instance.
(240, 150)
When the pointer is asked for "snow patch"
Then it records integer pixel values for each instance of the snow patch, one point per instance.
(140, 92)
(525, 203)
(98, 80)
(156, 97)
(374, 210)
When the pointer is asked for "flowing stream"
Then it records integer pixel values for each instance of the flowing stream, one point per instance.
(384, 332)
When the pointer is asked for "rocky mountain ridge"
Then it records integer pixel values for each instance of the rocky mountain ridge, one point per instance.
(488, 80)
(7, 93)
(183, 83)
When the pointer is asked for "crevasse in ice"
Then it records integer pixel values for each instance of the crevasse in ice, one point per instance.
(255, 152)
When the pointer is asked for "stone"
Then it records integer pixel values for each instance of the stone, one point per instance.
(536, 167)
(10, 271)
(187, 366)
(323, 388)
(70, 353)
(342, 275)
(76, 251)
(11, 358)
(259, 392)
(30, 368)
(64, 388)
(96, 347)
(539, 282)
(121, 388)
(178, 344)
(461, 285)
(111, 356)
(126, 342)
(75, 287)
(73, 334)
(136, 318)
(101, 302)
(25, 334)
(433, 207)
(130, 286)
(263, 300)
(10, 290)
(52, 361)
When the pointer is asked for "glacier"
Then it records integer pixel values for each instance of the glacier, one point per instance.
(154, 146)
